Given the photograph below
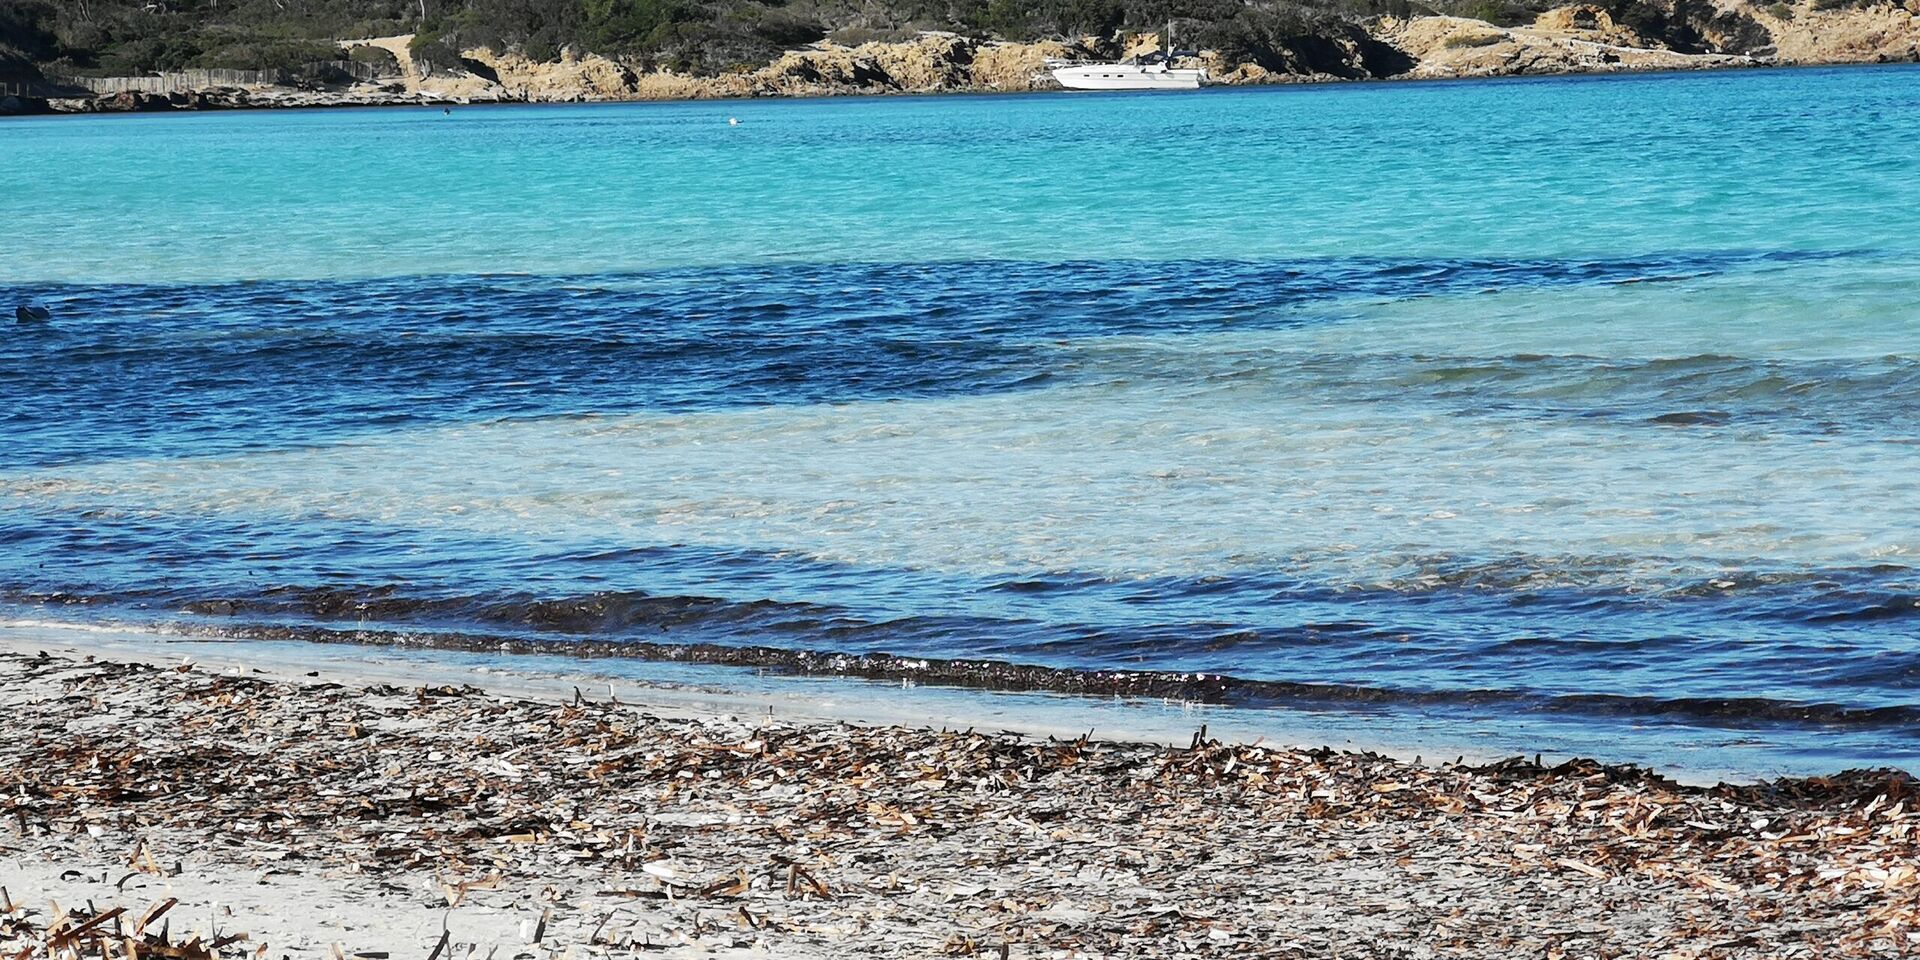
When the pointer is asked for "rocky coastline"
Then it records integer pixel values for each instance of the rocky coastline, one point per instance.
(1572, 39)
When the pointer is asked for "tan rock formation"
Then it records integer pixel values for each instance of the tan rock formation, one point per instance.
(1883, 32)
(932, 62)
(1139, 45)
(573, 77)
(1458, 47)
(1018, 66)
(678, 86)
(448, 85)
(1584, 21)
(1221, 70)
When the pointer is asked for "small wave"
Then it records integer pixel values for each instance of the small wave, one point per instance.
(1192, 687)
(1848, 607)
(1469, 650)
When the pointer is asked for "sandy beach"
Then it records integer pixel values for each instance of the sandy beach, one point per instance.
(301, 816)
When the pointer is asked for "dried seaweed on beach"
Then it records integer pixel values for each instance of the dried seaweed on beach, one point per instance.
(81, 933)
(622, 832)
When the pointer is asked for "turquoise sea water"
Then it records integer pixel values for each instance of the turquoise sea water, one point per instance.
(1572, 410)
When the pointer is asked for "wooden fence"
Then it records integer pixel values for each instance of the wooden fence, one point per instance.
(184, 81)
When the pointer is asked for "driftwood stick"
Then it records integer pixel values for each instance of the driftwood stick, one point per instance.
(153, 913)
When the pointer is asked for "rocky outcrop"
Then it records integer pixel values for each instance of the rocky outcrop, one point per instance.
(1883, 32)
(1020, 66)
(573, 77)
(419, 82)
(1569, 40)
(1588, 37)
(134, 101)
(1590, 22)
(931, 63)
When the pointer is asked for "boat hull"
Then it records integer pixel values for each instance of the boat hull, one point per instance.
(1108, 76)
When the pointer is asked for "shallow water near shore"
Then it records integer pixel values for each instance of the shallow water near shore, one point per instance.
(1570, 414)
(1432, 737)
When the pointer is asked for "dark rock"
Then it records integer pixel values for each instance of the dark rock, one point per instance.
(11, 106)
(132, 101)
(1694, 418)
(1381, 59)
(480, 70)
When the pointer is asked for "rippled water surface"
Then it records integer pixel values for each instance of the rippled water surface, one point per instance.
(1578, 412)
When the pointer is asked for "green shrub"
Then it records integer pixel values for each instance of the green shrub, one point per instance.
(855, 36)
(1497, 12)
(135, 36)
(26, 30)
(433, 51)
(380, 58)
(365, 29)
(259, 54)
(1464, 40)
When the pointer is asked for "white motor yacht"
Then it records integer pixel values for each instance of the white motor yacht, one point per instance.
(1155, 71)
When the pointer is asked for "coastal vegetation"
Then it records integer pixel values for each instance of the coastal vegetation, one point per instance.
(117, 55)
(135, 37)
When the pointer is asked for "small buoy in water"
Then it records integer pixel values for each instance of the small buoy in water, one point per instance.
(27, 313)
(733, 121)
